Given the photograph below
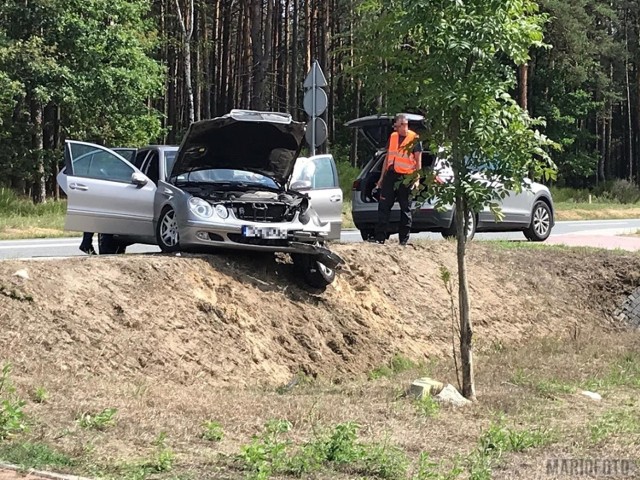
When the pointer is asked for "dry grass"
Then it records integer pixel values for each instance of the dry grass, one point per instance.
(523, 384)
(595, 211)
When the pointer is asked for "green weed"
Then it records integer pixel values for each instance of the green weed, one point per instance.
(212, 431)
(98, 421)
(163, 458)
(430, 470)
(499, 439)
(341, 445)
(33, 455)
(309, 458)
(384, 461)
(12, 417)
(428, 406)
(266, 454)
(40, 395)
(396, 365)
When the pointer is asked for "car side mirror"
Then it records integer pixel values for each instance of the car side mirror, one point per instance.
(138, 179)
(301, 185)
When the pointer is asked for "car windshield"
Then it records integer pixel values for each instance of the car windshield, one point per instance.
(227, 175)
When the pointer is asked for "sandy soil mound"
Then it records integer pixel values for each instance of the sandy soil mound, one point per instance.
(248, 320)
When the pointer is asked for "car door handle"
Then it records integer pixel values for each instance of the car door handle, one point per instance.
(78, 186)
(335, 198)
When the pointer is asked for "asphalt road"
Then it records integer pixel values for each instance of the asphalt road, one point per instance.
(587, 233)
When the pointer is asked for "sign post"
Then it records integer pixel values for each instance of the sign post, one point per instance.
(315, 103)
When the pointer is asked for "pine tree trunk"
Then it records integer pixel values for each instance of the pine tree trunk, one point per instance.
(524, 86)
(293, 80)
(186, 22)
(628, 90)
(224, 80)
(37, 144)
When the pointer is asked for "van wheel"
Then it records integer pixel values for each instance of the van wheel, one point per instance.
(471, 229)
(167, 234)
(315, 273)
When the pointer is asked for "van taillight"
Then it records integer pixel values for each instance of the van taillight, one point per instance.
(356, 185)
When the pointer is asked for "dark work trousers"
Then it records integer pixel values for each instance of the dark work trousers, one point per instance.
(393, 189)
(87, 240)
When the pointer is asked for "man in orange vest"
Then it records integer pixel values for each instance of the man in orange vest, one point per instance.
(404, 157)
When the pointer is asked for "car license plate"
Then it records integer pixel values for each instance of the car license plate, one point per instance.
(264, 232)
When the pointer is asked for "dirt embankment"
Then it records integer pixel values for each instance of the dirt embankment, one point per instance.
(230, 318)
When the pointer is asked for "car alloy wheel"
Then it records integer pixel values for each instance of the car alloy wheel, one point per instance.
(167, 233)
(315, 273)
(541, 220)
(471, 228)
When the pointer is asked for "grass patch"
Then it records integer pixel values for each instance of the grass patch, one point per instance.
(98, 421)
(338, 450)
(21, 218)
(12, 417)
(547, 387)
(622, 422)
(623, 372)
(34, 455)
(428, 406)
(498, 440)
(40, 395)
(525, 245)
(212, 431)
(347, 216)
(396, 365)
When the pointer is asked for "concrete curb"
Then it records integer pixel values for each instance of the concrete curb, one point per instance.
(40, 473)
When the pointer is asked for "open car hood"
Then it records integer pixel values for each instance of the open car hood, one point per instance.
(265, 142)
(377, 128)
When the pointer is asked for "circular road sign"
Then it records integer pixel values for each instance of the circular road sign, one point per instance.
(321, 132)
(321, 101)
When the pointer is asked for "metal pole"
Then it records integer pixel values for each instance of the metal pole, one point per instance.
(313, 108)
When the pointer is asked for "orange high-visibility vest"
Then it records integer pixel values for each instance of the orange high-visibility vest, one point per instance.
(400, 157)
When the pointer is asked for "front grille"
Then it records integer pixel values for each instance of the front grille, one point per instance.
(236, 237)
(262, 212)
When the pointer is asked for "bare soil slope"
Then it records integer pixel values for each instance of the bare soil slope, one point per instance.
(232, 318)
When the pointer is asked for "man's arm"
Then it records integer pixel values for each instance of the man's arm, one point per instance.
(383, 171)
(417, 157)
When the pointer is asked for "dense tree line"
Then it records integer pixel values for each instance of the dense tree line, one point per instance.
(133, 72)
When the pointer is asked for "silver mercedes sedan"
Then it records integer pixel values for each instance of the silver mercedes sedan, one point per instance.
(236, 182)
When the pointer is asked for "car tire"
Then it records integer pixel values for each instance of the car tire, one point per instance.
(450, 232)
(541, 220)
(107, 245)
(366, 233)
(167, 234)
(315, 274)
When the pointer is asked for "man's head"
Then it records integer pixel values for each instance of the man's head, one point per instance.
(401, 124)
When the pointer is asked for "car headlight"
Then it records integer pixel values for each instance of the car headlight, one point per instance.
(200, 207)
(222, 211)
